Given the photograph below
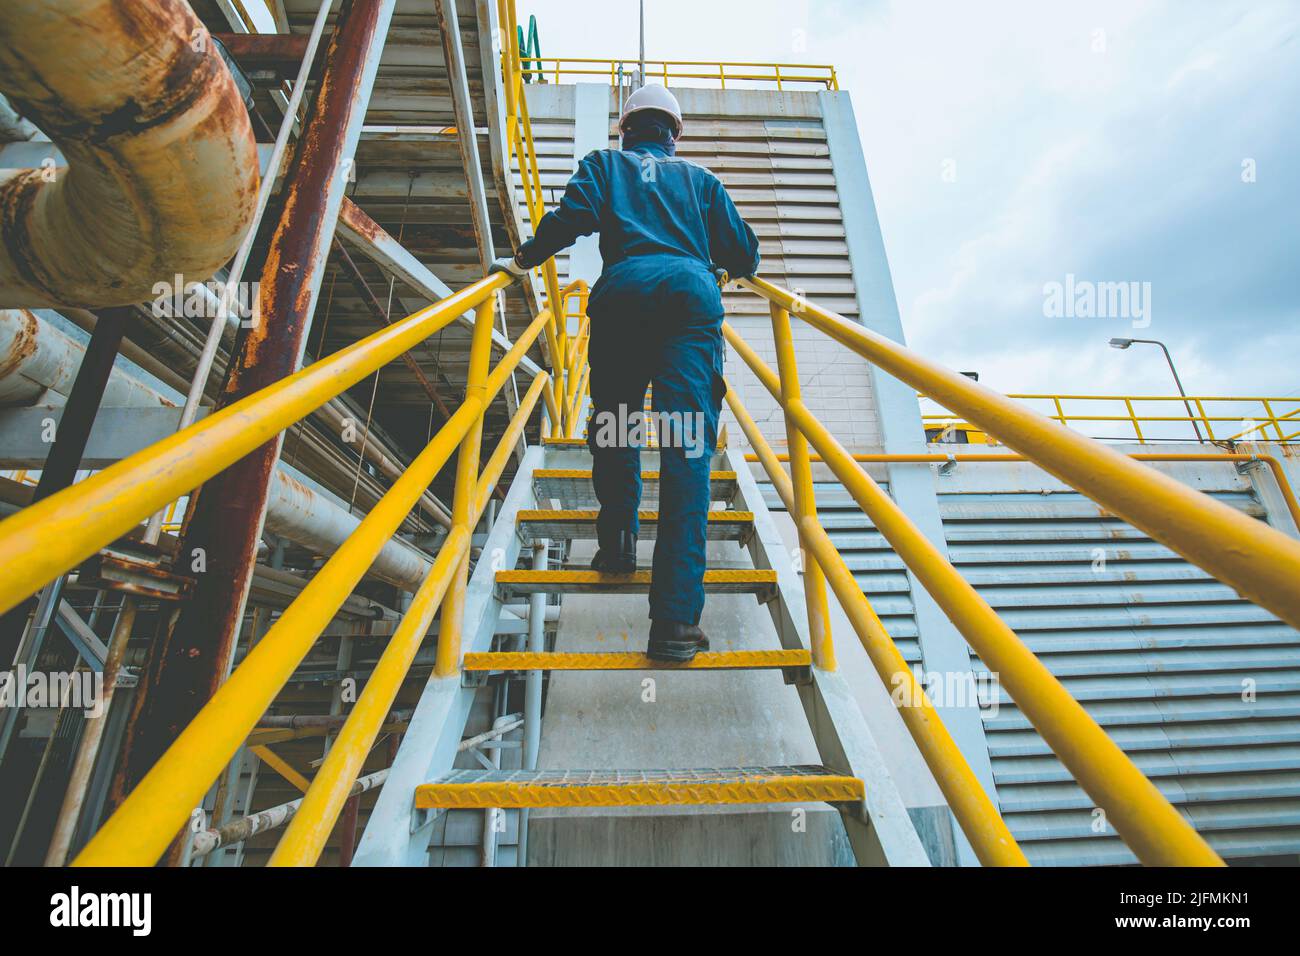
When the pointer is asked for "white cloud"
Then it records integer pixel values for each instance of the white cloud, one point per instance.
(1104, 139)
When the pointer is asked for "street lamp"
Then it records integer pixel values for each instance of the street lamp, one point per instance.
(1125, 343)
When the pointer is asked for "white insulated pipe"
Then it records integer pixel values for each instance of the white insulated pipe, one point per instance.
(310, 519)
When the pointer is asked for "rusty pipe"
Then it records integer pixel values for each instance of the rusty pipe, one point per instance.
(162, 170)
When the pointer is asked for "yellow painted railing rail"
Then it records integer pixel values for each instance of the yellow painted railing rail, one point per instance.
(1241, 458)
(667, 71)
(310, 828)
(146, 822)
(1256, 417)
(52, 536)
(978, 817)
(1149, 824)
(519, 136)
(1261, 563)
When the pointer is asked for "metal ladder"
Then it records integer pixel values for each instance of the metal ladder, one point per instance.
(852, 775)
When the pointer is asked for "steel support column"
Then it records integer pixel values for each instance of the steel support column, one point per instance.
(189, 662)
(467, 138)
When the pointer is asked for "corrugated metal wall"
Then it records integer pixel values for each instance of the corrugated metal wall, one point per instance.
(1164, 657)
(1161, 654)
(876, 568)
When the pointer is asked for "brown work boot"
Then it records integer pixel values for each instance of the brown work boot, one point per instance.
(675, 643)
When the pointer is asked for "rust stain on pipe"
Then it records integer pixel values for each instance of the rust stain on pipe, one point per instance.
(162, 172)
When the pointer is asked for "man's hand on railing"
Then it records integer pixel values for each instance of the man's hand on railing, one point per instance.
(508, 265)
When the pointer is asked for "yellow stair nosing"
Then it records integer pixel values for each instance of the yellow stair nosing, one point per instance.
(584, 514)
(737, 787)
(713, 576)
(645, 475)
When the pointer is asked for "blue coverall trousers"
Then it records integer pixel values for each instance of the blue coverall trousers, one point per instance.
(654, 334)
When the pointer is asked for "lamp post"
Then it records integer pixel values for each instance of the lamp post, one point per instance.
(1125, 343)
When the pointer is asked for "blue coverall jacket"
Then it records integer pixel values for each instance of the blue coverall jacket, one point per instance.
(656, 316)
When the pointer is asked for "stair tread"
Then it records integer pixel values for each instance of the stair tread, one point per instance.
(581, 523)
(633, 661)
(474, 789)
(718, 581)
(573, 486)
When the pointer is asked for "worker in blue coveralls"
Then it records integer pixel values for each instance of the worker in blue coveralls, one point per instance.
(667, 226)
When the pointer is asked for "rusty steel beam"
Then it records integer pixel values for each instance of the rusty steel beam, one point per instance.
(453, 56)
(192, 655)
(265, 51)
(347, 830)
(380, 247)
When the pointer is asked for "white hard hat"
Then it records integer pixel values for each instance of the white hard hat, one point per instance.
(652, 97)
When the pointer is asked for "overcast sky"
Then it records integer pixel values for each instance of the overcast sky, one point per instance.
(1010, 144)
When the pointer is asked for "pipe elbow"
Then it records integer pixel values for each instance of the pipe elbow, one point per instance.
(162, 169)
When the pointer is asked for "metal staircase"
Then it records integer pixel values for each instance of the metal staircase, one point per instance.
(852, 776)
(451, 616)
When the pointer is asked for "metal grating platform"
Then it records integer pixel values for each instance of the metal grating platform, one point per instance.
(572, 486)
(479, 789)
(632, 661)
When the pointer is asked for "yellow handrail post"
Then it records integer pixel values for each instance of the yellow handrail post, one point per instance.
(1060, 412)
(310, 828)
(974, 810)
(1268, 410)
(1132, 417)
(1149, 824)
(575, 406)
(554, 419)
(819, 620)
(1209, 431)
(447, 662)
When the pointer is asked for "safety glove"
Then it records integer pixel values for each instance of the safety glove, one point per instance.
(507, 264)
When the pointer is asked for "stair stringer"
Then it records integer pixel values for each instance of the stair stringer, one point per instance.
(880, 830)
(397, 834)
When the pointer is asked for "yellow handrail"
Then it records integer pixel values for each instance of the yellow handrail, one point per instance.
(146, 822)
(1256, 425)
(1274, 466)
(519, 135)
(1261, 563)
(817, 74)
(1150, 825)
(310, 828)
(975, 812)
(55, 534)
